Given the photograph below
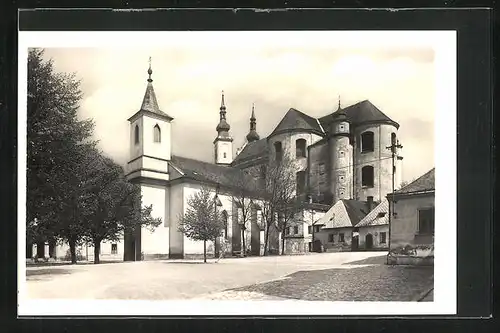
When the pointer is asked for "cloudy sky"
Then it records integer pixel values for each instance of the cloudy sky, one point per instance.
(188, 80)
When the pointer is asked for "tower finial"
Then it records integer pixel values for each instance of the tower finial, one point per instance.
(222, 104)
(150, 71)
(339, 102)
(253, 111)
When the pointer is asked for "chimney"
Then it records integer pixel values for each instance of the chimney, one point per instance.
(369, 202)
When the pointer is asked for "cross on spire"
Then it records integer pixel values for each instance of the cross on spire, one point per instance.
(150, 71)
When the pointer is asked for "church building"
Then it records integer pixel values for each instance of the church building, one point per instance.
(343, 155)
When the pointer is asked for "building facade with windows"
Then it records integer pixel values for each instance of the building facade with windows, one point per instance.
(340, 156)
(412, 224)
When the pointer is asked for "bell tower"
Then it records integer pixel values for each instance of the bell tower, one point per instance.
(150, 152)
(150, 138)
(223, 143)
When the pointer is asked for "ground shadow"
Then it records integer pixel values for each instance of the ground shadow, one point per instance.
(380, 283)
(378, 260)
(189, 262)
(68, 263)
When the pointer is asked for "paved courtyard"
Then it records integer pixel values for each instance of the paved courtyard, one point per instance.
(347, 276)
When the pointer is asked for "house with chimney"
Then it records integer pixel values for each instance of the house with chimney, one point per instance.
(336, 230)
(411, 239)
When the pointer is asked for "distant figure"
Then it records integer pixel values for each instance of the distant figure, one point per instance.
(222, 249)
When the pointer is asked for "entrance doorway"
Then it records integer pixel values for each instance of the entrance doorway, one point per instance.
(355, 243)
(369, 241)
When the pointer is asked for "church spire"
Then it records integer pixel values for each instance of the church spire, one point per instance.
(252, 135)
(149, 102)
(223, 127)
(339, 104)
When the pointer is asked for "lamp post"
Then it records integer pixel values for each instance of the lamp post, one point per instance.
(216, 243)
(312, 222)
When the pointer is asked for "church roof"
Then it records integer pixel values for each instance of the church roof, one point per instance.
(359, 113)
(150, 103)
(209, 172)
(251, 151)
(424, 183)
(296, 120)
(378, 216)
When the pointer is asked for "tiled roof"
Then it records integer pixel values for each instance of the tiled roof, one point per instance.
(356, 209)
(150, 103)
(421, 184)
(251, 151)
(343, 214)
(209, 172)
(297, 120)
(374, 217)
(359, 113)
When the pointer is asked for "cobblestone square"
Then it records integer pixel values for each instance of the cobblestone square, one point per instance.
(348, 276)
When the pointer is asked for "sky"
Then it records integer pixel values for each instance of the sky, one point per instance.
(188, 80)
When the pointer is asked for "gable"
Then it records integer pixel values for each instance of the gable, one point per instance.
(373, 218)
(335, 217)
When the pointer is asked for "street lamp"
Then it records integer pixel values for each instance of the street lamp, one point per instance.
(216, 247)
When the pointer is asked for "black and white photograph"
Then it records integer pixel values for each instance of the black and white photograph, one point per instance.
(230, 172)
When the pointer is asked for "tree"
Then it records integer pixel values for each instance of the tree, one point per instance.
(56, 145)
(242, 195)
(279, 191)
(202, 221)
(111, 204)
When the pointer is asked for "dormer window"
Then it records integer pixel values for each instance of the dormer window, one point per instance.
(381, 214)
(136, 134)
(157, 133)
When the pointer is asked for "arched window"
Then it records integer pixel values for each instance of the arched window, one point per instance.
(301, 182)
(367, 142)
(367, 176)
(278, 151)
(136, 134)
(224, 219)
(157, 133)
(300, 148)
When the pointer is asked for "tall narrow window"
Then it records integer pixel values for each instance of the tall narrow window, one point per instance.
(367, 142)
(278, 151)
(301, 182)
(157, 133)
(393, 138)
(114, 248)
(224, 154)
(322, 168)
(426, 221)
(136, 134)
(300, 148)
(367, 176)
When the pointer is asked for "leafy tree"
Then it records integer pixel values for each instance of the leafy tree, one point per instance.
(111, 204)
(202, 221)
(56, 146)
